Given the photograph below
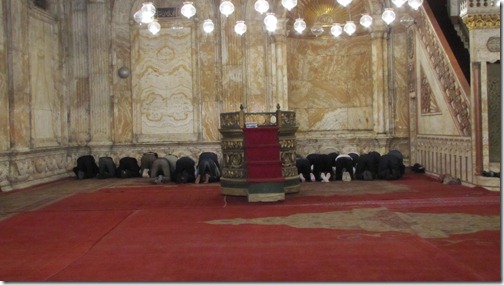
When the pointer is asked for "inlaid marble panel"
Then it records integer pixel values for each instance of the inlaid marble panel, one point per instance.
(45, 102)
(163, 84)
(331, 77)
(4, 99)
(401, 99)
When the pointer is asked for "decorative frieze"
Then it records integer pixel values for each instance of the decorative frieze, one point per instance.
(427, 100)
(487, 21)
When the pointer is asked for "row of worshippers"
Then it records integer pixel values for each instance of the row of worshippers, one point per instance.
(159, 169)
(349, 166)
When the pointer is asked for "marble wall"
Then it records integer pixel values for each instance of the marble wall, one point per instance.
(61, 95)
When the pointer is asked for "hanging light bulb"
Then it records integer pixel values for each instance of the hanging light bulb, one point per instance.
(388, 16)
(299, 25)
(261, 6)
(208, 26)
(317, 29)
(240, 27)
(415, 4)
(366, 20)
(154, 27)
(138, 16)
(344, 3)
(271, 22)
(349, 28)
(336, 30)
(148, 9)
(289, 4)
(146, 19)
(188, 10)
(226, 7)
(399, 3)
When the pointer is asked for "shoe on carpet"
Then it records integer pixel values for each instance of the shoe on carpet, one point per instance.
(346, 176)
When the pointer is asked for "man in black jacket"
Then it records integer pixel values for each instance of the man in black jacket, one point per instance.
(185, 170)
(86, 167)
(390, 167)
(208, 169)
(106, 167)
(303, 166)
(344, 163)
(128, 168)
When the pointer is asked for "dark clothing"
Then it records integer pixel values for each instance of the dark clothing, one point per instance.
(147, 160)
(332, 157)
(367, 162)
(321, 164)
(355, 158)
(86, 167)
(399, 155)
(389, 167)
(128, 168)
(303, 167)
(209, 155)
(374, 160)
(344, 162)
(107, 167)
(208, 166)
(208, 163)
(185, 170)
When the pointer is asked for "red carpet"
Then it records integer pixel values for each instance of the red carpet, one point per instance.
(414, 229)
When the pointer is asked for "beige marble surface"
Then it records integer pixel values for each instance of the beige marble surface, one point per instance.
(60, 95)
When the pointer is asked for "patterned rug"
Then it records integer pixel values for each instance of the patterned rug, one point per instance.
(413, 229)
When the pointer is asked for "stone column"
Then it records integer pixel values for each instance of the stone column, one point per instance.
(279, 67)
(78, 75)
(99, 43)
(4, 94)
(233, 53)
(380, 79)
(19, 79)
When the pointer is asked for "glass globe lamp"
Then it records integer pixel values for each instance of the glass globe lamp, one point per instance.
(208, 26)
(271, 22)
(148, 9)
(349, 28)
(388, 16)
(344, 3)
(154, 27)
(226, 7)
(336, 30)
(240, 27)
(188, 10)
(366, 20)
(399, 3)
(261, 6)
(415, 4)
(299, 25)
(289, 4)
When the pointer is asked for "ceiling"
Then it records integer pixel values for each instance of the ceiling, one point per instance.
(327, 12)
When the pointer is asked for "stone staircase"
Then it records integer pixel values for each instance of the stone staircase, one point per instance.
(455, 33)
